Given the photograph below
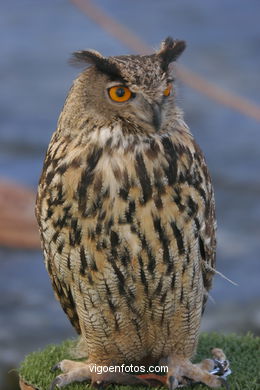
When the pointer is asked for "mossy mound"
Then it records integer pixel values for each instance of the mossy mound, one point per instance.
(242, 351)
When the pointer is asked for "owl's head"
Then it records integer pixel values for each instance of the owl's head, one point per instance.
(133, 89)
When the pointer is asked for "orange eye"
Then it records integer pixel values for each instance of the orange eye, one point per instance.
(119, 93)
(168, 90)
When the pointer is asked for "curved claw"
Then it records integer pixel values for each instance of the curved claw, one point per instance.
(55, 367)
(224, 383)
(55, 382)
(221, 368)
(173, 383)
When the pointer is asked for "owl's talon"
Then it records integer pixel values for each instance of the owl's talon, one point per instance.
(173, 383)
(224, 383)
(55, 367)
(221, 368)
(218, 368)
(56, 382)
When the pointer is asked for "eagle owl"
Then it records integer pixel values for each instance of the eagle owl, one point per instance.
(126, 213)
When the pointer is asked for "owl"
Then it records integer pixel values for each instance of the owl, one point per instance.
(126, 213)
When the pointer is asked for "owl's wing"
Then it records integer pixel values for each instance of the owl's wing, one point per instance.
(207, 233)
(207, 246)
(202, 210)
(187, 210)
(63, 293)
(64, 296)
(61, 289)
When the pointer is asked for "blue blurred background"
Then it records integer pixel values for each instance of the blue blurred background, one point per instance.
(223, 39)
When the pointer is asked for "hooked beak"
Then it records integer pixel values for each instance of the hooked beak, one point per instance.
(157, 117)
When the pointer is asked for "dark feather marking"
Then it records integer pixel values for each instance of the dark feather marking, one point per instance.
(170, 268)
(143, 177)
(130, 212)
(50, 212)
(193, 276)
(114, 238)
(93, 265)
(182, 295)
(87, 178)
(158, 289)
(158, 183)
(151, 261)
(90, 279)
(83, 261)
(171, 170)
(102, 215)
(178, 237)
(193, 207)
(60, 246)
(50, 175)
(173, 281)
(205, 298)
(61, 169)
(125, 257)
(75, 233)
(178, 200)
(69, 262)
(112, 307)
(58, 200)
(158, 202)
(120, 277)
(55, 236)
(197, 224)
(109, 224)
(202, 193)
(133, 229)
(142, 273)
(98, 229)
(123, 193)
(152, 152)
(202, 249)
(108, 291)
(91, 234)
(162, 316)
(163, 239)
(61, 222)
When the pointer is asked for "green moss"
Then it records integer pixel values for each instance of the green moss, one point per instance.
(242, 351)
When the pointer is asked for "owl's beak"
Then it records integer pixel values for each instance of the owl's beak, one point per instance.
(157, 117)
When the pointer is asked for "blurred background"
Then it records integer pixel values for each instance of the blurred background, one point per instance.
(223, 47)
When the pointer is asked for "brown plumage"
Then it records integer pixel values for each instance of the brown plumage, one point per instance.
(126, 214)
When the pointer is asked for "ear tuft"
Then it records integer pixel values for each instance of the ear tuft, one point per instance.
(89, 57)
(170, 50)
(93, 57)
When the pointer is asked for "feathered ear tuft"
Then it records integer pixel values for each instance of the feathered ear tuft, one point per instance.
(170, 50)
(93, 57)
(90, 57)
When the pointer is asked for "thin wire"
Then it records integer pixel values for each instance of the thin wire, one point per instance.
(194, 81)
